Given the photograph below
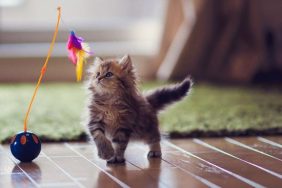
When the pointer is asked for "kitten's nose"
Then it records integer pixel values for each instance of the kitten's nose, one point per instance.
(100, 78)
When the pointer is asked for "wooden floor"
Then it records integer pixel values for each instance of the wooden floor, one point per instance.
(225, 162)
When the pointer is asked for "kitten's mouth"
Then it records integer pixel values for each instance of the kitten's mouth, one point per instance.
(99, 82)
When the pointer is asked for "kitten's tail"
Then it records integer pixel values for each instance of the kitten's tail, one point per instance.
(162, 97)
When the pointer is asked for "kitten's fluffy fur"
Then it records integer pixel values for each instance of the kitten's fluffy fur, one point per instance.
(119, 112)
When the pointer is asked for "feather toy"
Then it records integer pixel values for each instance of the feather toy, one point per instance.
(78, 52)
(26, 146)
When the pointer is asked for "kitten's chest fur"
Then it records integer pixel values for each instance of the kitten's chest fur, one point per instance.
(115, 111)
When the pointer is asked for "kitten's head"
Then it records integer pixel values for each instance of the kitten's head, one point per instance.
(112, 75)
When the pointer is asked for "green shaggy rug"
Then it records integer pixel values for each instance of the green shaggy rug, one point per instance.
(208, 111)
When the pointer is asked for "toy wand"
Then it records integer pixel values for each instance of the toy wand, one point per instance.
(43, 69)
(26, 146)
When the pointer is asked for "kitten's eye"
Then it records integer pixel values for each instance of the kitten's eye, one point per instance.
(98, 74)
(109, 74)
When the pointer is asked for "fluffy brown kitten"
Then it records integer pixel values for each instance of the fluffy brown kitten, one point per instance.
(119, 112)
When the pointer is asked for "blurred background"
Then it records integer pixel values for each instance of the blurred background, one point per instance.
(112, 28)
(236, 41)
(229, 48)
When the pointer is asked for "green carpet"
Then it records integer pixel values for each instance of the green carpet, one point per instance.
(209, 111)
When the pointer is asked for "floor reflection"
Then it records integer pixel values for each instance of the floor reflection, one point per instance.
(118, 171)
(21, 180)
(154, 169)
(139, 178)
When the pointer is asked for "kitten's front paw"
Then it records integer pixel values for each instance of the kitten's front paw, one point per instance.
(154, 154)
(105, 150)
(116, 160)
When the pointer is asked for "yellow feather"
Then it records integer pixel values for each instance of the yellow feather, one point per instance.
(81, 55)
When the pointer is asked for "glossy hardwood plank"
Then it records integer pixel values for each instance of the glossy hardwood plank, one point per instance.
(128, 174)
(137, 154)
(7, 166)
(15, 180)
(87, 174)
(159, 169)
(10, 174)
(232, 164)
(41, 171)
(77, 165)
(45, 172)
(193, 148)
(174, 177)
(203, 170)
(277, 139)
(247, 155)
(261, 146)
(57, 150)
(89, 152)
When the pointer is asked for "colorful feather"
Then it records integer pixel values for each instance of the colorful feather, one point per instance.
(78, 52)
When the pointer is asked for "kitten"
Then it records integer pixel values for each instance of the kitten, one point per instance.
(119, 112)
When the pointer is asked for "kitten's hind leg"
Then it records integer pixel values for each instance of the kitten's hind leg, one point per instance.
(104, 146)
(153, 139)
(155, 150)
(120, 141)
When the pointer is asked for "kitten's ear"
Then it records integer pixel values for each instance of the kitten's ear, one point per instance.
(98, 60)
(126, 63)
(96, 63)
